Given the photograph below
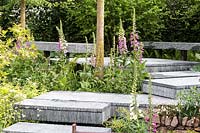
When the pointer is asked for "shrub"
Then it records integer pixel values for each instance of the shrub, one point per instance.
(9, 95)
(15, 84)
(189, 102)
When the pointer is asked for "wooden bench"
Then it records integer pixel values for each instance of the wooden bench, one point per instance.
(182, 46)
(47, 47)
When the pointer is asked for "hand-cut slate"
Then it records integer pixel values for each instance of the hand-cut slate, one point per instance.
(24, 127)
(115, 100)
(172, 86)
(175, 74)
(165, 65)
(64, 111)
(153, 64)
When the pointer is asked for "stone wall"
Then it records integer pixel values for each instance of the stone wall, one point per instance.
(177, 123)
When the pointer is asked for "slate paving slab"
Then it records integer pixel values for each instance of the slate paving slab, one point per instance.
(115, 100)
(165, 65)
(154, 65)
(24, 127)
(171, 87)
(175, 74)
(64, 111)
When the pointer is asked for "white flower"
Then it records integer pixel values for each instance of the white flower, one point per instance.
(140, 113)
(133, 116)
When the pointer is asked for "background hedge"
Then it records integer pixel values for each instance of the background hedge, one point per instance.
(157, 20)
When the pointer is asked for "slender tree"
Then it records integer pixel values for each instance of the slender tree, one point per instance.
(100, 38)
(22, 13)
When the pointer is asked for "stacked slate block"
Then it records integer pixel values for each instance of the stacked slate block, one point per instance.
(84, 108)
(172, 78)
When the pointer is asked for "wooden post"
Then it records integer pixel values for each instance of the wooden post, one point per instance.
(22, 13)
(100, 39)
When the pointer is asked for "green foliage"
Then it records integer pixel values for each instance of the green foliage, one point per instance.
(124, 124)
(182, 17)
(158, 20)
(15, 62)
(117, 78)
(189, 102)
(62, 75)
(9, 95)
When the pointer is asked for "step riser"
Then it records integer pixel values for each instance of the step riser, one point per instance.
(161, 91)
(171, 87)
(167, 68)
(164, 91)
(64, 111)
(65, 116)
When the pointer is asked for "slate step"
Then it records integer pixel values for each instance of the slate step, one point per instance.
(172, 86)
(165, 65)
(64, 111)
(23, 127)
(154, 64)
(81, 107)
(175, 74)
(115, 100)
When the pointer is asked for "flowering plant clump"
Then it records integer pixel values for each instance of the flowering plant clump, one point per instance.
(152, 123)
(62, 43)
(122, 47)
(137, 58)
(137, 47)
(18, 56)
(20, 43)
(134, 120)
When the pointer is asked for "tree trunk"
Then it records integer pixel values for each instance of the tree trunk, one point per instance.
(100, 39)
(22, 13)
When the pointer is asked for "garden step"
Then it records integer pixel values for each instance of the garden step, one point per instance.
(64, 111)
(172, 86)
(115, 100)
(24, 127)
(165, 65)
(155, 65)
(175, 74)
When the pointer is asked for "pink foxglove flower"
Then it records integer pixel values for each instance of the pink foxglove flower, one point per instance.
(122, 40)
(59, 45)
(18, 44)
(28, 44)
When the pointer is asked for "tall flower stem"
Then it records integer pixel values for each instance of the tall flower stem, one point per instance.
(150, 104)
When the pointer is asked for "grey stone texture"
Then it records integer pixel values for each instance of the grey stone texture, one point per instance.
(175, 74)
(76, 47)
(64, 111)
(24, 127)
(172, 45)
(153, 64)
(115, 100)
(78, 107)
(72, 47)
(165, 65)
(171, 87)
